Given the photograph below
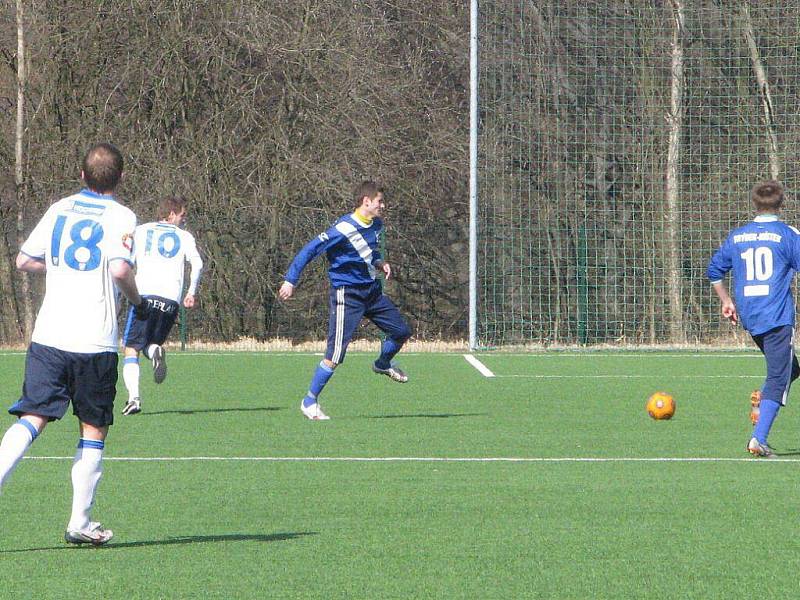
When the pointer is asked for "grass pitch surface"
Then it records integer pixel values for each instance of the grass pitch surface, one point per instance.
(548, 480)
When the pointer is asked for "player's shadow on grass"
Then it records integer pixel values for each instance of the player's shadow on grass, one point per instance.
(209, 410)
(429, 416)
(189, 539)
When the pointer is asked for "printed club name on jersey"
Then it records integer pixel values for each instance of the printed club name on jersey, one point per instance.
(764, 236)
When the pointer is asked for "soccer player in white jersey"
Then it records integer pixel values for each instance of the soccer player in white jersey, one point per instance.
(83, 246)
(160, 248)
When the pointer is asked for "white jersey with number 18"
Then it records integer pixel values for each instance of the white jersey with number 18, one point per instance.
(77, 238)
(160, 250)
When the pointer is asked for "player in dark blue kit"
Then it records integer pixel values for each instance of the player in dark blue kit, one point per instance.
(351, 246)
(763, 255)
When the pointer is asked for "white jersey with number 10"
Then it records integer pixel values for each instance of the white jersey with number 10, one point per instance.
(77, 238)
(161, 249)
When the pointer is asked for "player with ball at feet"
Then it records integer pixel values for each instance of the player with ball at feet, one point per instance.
(351, 245)
(763, 256)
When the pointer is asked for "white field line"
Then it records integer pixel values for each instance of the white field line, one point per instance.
(178, 353)
(623, 376)
(599, 354)
(482, 368)
(426, 459)
(533, 355)
(173, 353)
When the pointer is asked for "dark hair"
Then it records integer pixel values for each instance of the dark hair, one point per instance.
(370, 189)
(767, 195)
(102, 167)
(171, 204)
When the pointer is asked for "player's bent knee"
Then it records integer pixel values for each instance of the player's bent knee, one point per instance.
(402, 336)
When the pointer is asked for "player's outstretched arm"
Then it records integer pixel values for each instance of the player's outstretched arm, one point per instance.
(196, 264)
(308, 253)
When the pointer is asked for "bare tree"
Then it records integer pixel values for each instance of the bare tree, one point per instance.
(763, 89)
(19, 168)
(672, 216)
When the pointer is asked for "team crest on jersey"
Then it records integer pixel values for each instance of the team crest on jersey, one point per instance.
(323, 237)
(127, 241)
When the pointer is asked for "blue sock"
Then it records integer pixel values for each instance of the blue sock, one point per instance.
(768, 410)
(321, 376)
(389, 348)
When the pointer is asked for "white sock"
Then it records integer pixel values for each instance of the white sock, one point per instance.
(86, 472)
(16, 442)
(148, 352)
(130, 375)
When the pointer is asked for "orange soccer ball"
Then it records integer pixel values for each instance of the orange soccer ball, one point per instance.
(660, 406)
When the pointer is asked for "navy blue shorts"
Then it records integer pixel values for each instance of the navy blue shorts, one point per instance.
(349, 304)
(54, 378)
(777, 345)
(139, 334)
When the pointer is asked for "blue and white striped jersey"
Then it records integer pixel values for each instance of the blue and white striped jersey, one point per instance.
(352, 250)
(763, 255)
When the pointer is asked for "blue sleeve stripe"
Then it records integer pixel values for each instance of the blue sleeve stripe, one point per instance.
(98, 444)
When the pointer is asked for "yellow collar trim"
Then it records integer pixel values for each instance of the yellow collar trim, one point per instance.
(361, 218)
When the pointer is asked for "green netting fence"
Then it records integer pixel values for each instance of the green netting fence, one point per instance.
(618, 144)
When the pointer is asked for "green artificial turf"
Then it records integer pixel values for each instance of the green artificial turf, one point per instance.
(603, 503)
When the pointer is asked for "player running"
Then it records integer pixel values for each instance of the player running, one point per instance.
(351, 245)
(763, 255)
(161, 249)
(83, 246)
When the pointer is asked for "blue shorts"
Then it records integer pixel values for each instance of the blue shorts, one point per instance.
(141, 333)
(54, 378)
(349, 304)
(782, 368)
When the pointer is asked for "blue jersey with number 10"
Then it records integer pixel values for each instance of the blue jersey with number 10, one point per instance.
(763, 255)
